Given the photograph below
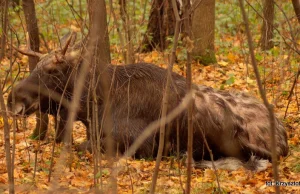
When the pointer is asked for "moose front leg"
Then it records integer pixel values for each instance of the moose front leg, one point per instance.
(41, 127)
(60, 125)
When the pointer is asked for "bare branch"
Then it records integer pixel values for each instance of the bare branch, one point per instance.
(28, 51)
(7, 144)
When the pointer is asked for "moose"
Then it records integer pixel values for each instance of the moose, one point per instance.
(234, 124)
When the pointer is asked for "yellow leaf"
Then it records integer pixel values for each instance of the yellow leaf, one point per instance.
(250, 81)
(231, 57)
(155, 55)
(223, 63)
(1, 122)
(209, 174)
(241, 65)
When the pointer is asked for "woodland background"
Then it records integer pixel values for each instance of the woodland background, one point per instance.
(224, 64)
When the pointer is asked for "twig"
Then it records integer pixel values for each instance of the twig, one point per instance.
(210, 155)
(291, 91)
(28, 51)
(45, 42)
(188, 36)
(4, 29)
(122, 43)
(8, 158)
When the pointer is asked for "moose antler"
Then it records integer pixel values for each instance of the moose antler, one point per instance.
(65, 48)
(28, 51)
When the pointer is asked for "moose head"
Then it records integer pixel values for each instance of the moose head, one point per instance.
(46, 81)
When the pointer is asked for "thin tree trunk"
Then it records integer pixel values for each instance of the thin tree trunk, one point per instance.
(8, 157)
(32, 29)
(126, 25)
(296, 5)
(4, 19)
(102, 52)
(33, 32)
(122, 42)
(268, 25)
(188, 33)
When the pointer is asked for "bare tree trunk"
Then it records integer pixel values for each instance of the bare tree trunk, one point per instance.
(32, 28)
(296, 5)
(268, 25)
(122, 42)
(97, 15)
(33, 32)
(188, 34)
(127, 25)
(203, 31)
(161, 25)
(4, 19)
(8, 157)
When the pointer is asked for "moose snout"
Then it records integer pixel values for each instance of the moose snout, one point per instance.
(23, 104)
(18, 109)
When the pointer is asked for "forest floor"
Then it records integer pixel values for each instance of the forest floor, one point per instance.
(32, 158)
